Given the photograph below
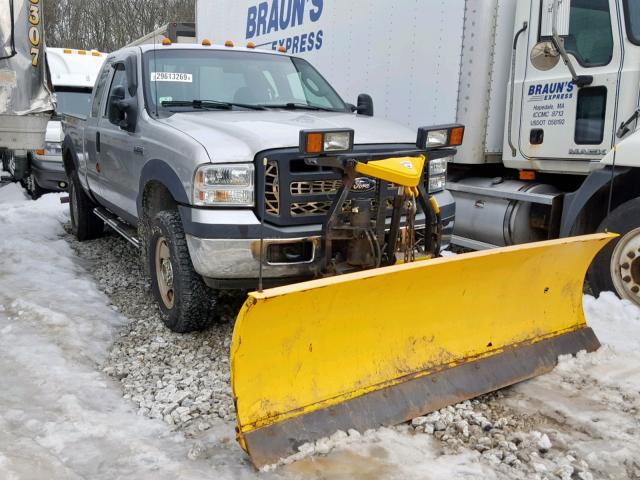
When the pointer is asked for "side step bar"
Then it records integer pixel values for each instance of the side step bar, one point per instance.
(118, 225)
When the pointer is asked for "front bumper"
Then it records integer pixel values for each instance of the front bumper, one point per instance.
(49, 174)
(225, 245)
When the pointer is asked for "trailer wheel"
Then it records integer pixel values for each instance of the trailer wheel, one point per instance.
(617, 266)
(186, 303)
(84, 224)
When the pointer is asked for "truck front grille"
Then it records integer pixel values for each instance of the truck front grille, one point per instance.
(272, 189)
(308, 209)
(315, 187)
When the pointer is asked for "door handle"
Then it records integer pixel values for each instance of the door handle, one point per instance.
(97, 141)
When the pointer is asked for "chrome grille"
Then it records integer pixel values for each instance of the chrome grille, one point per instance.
(272, 189)
(308, 209)
(315, 187)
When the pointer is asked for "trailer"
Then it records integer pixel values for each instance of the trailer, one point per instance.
(548, 91)
(25, 99)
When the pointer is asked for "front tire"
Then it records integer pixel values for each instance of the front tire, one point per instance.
(617, 266)
(186, 303)
(84, 224)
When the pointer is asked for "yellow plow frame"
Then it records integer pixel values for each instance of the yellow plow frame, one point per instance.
(383, 346)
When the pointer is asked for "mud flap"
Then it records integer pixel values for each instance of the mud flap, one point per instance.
(383, 346)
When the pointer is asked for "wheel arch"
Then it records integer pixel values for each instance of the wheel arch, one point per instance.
(586, 208)
(160, 189)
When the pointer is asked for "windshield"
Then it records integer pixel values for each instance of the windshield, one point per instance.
(238, 78)
(72, 102)
(632, 13)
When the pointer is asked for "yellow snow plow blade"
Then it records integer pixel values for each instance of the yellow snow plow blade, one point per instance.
(383, 346)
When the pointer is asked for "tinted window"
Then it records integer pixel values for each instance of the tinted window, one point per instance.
(100, 88)
(632, 15)
(592, 106)
(590, 37)
(119, 88)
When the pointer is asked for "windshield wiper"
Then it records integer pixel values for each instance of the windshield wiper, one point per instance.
(296, 106)
(209, 104)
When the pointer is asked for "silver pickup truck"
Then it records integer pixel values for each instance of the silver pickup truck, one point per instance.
(193, 153)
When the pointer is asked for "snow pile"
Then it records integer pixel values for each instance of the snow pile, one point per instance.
(59, 416)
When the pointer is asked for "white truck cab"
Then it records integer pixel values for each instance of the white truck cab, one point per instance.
(73, 74)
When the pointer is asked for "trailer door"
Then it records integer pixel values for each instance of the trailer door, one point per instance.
(555, 118)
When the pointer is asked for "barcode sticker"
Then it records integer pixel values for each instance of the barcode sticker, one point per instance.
(171, 77)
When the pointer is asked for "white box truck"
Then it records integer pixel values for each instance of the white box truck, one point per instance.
(73, 74)
(25, 100)
(548, 90)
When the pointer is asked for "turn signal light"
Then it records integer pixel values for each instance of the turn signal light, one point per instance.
(40, 152)
(527, 175)
(319, 142)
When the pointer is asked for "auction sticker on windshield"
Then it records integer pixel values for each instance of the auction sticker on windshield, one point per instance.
(171, 77)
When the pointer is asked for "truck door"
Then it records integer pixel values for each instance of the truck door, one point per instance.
(556, 119)
(117, 160)
(89, 160)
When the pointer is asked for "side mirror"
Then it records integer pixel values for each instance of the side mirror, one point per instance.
(365, 105)
(115, 114)
(123, 112)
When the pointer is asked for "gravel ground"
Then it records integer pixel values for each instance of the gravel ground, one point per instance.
(184, 380)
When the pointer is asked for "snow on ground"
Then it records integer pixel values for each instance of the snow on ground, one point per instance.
(64, 323)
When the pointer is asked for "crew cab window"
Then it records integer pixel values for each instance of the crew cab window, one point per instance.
(632, 17)
(590, 37)
(119, 87)
(234, 77)
(101, 85)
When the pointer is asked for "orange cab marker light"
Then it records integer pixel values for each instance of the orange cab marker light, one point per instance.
(228, 43)
(166, 42)
(82, 52)
(96, 54)
(456, 136)
(314, 143)
(206, 42)
(251, 45)
(66, 50)
(527, 175)
(282, 49)
(39, 152)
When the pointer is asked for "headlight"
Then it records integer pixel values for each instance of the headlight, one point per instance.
(53, 149)
(231, 184)
(437, 184)
(438, 166)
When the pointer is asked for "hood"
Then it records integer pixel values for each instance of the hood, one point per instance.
(54, 131)
(237, 136)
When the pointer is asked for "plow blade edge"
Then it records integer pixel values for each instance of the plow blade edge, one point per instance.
(383, 346)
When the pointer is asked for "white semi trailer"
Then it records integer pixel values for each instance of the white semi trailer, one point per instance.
(549, 91)
(25, 100)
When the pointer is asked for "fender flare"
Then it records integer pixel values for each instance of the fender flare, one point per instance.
(68, 147)
(576, 202)
(161, 172)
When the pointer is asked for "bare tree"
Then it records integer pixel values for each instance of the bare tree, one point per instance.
(107, 25)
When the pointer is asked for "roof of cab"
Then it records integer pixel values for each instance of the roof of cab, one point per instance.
(197, 46)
